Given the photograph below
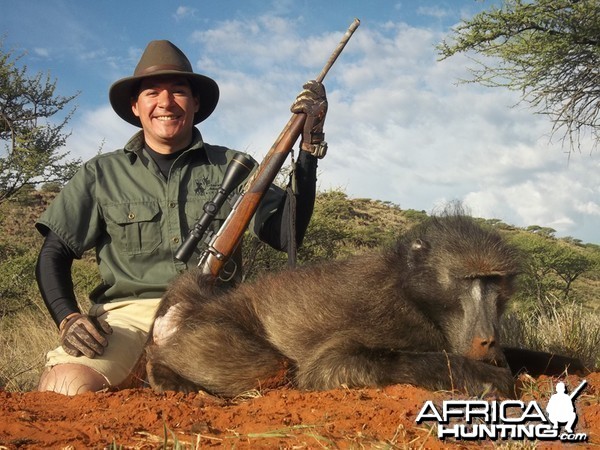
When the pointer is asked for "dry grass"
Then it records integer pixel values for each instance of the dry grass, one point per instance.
(569, 329)
(24, 341)
(27, 332)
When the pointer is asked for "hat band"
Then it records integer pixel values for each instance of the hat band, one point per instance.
(152, 69)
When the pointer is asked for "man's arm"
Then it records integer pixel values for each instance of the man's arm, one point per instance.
(312, 102)
(275, 231)
(79, 334)
(53, 274)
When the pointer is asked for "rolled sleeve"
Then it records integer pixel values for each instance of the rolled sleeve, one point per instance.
(73, 215)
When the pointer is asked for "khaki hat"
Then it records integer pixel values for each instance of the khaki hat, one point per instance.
(163, 58)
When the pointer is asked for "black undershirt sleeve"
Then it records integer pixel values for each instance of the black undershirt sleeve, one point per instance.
(53, 274)
(275, 230)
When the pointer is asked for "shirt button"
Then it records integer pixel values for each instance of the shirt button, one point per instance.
(175, 240)
(172, 205)
(131, 216)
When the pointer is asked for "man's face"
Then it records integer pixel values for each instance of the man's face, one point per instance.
(166, 108)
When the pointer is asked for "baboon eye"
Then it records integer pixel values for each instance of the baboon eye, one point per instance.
(492, 278)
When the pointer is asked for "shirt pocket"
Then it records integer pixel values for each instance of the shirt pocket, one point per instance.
(134, 227)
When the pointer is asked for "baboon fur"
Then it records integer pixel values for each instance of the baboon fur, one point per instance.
(425, 311)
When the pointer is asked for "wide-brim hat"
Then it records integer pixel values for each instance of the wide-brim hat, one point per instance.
(163, 58)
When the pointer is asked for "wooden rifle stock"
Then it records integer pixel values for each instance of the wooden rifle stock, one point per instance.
(224, 243)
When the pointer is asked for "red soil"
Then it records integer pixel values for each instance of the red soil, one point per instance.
(280, 418)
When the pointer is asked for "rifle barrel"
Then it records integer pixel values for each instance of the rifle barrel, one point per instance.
(578, 389)
(351, 29)
(229, 235)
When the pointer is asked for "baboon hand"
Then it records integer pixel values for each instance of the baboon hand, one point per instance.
(499, 382)
(162, 379)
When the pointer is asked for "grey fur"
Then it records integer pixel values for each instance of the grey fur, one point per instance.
(424, 312)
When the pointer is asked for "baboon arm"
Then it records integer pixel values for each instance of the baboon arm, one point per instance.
(162, 379)
(537, 363)
(341, 361)
(443, 371)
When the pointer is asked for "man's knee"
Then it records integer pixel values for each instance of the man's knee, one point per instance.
(71, 379)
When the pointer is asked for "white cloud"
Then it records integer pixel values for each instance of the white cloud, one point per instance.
(43, 52)
(433, 11)
(184, 12)
(399, 127)
(98, 130)
(558, 197)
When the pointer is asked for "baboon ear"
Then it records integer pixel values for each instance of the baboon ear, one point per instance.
(419, 245)
(418, 249)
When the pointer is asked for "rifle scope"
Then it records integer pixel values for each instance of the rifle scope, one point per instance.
(237, 170)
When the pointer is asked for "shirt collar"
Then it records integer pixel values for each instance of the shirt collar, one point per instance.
(135, 146)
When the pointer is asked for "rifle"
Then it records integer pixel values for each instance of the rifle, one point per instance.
(222, 245)
(577, 390)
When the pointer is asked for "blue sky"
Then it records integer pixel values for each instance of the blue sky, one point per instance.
(399, 126)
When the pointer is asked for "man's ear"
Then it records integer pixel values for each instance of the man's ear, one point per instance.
(134, 107)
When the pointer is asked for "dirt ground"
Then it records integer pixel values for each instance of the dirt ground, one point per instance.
(279, 418)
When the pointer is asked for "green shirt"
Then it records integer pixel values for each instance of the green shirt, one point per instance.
(120, 204)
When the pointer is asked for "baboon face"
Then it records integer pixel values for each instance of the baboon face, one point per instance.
(462, 276)
(474, 326)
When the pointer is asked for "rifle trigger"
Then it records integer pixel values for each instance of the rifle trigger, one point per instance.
(228, 271)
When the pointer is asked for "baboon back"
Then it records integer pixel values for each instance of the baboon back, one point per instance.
(425, 312)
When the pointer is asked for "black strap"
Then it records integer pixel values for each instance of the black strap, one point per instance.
(292, 249)
(276, 230)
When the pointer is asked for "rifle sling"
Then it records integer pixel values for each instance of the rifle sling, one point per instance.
(292, 249)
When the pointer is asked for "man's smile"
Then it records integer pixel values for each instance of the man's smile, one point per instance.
(166, 118)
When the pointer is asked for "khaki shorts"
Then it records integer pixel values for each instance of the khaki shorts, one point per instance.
(130, 321)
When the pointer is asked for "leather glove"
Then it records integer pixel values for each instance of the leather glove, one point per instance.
(84, 335)
(312, 101)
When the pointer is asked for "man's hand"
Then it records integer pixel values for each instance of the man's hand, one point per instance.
(84, 335)
(312, 101)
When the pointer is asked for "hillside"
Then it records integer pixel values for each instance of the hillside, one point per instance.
(340, 226)
(281, 417)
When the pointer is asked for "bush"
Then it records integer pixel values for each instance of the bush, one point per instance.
(18, 287)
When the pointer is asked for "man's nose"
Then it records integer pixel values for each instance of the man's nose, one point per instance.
(165, 98)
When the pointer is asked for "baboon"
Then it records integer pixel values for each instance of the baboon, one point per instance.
(424, 311)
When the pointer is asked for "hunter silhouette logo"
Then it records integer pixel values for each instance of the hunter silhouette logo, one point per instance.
(508, 419)
(201, 185)
(560, 407)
